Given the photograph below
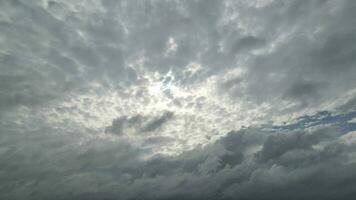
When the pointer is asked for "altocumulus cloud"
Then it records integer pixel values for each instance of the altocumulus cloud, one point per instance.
(200, 99)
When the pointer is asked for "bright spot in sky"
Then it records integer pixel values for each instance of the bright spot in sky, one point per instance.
(167, 87)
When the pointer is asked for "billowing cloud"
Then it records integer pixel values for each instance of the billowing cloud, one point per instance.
(249, 164)
(191, 99)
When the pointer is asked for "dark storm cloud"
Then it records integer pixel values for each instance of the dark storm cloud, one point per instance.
(247, 164)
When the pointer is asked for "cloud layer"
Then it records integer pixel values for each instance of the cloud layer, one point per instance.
(315, 163)
(177, 99)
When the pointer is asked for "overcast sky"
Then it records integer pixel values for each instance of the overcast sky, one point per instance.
(177, 99)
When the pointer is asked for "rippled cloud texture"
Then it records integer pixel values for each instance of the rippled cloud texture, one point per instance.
(180, 99)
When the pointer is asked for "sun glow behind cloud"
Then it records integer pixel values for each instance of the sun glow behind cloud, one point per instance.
(203, 99)
(202, 114)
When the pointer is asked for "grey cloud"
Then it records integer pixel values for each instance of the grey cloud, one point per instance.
(119, 124)
(305, 91)
(58, 60)
(35, 35)
(157, 122)
(247, 43)
(291, 164)
(349, 105)
(110, 39)
(317, 50)
(139, 123)
(276, 145)
(158, 140)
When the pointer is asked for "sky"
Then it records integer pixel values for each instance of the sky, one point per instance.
(177, 99)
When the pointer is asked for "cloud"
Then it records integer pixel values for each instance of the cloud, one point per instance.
(247, 43)
(138, 123)
(177, 99)
(276, 164)
(304, 59)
